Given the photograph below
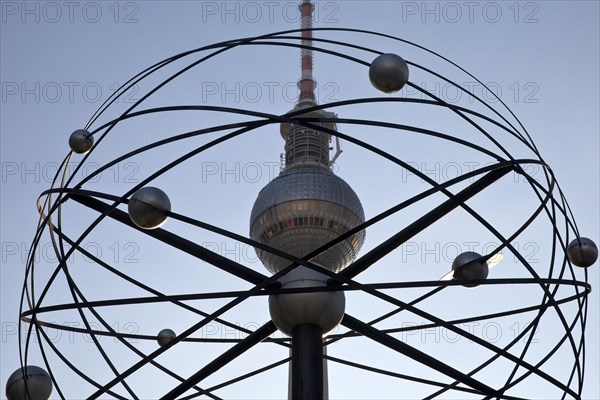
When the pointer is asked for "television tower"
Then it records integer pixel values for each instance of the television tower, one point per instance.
(299, 211)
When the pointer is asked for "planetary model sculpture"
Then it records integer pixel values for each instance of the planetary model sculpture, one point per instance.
(307, 226)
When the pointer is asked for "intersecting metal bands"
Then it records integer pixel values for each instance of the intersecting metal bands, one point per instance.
(561, 290)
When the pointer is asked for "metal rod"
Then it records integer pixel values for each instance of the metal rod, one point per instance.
(307, 362)
(420, 224)
(415, 354)
(251, 340)
(178, 242)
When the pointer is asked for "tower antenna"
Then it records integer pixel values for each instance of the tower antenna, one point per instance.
(304, 146)
(307, 83)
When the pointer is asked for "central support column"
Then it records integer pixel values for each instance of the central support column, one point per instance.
(307, 362)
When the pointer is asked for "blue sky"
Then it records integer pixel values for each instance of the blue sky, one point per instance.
(60, 61)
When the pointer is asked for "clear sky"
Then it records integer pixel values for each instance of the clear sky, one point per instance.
(60, 60)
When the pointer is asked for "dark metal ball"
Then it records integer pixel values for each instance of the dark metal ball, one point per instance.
(81, 141)
(466, 269)
(148, 207)
(582, 252)
(323, 309)
(29, 383)
(388, 73)
(165, 337)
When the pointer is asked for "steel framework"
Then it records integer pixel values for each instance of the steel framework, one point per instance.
(562, 289)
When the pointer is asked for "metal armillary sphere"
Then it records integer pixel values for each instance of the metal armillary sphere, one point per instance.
(308, 227)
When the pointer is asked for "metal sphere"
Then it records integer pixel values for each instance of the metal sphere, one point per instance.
(582, 252)
(29, 383)
(388, 73)
(302, 210)
(324, 309)
(467, 269)
(165, 337)
(148, 207)
(81, 141)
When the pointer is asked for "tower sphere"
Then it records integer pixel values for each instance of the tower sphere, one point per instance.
(29, 383)
(324, 309)
(148, 207)
(165, 337)
(388, 73)
(303, 209)
(467, 269)
(582, 252)
(81, 141)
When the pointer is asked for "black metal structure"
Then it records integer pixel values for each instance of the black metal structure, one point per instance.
(307, 362)
(560, 288)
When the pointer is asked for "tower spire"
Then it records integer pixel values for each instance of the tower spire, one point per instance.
(306, 84)
(304, 146)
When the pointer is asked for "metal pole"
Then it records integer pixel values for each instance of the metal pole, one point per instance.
(307, 362)
(325, 375)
